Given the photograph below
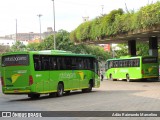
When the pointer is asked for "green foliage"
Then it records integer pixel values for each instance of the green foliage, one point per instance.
(117, 22)
(142, 49)
(94, 50)
(149, 16)
(82, 32)
(18, 46)
(63, 42)
(122, 50)
(33, 47)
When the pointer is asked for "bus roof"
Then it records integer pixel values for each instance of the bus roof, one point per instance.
(49, 52)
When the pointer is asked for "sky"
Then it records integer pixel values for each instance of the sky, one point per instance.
(68, 13)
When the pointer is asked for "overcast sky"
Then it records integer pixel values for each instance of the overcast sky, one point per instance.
(69, 13)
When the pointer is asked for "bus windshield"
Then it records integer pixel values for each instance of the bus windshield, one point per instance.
(15, 60)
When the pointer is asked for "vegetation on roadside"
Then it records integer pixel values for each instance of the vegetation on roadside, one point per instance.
(117, 22)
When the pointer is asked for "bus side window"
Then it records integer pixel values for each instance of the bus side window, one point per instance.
(116, 64)
(53, 63)
(80, 63)
(120, 63)
(45, 62)
(67, 62)
(37, 62)
(129, 63)
(60, 61)
(125, 63)
(110, 64)
(91, 61)
(137, 62)
(74, 63)
(86, 63)
(106, 66)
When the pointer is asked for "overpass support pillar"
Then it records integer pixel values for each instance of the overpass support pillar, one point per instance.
(153, 46)
(132, 47)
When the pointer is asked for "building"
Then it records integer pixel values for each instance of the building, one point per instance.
(48, 32)
(85, 19)
(10, 42)
(30, 36)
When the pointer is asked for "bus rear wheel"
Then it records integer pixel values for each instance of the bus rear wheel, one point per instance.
(89, 89)
(60, 90)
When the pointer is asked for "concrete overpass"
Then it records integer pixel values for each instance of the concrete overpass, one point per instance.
(151, 35)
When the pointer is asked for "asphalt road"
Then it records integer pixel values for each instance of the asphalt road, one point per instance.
(111, 96)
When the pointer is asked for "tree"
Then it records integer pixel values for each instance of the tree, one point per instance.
(118, 23)
(33, 46)
(63, 42)
(18, 46)
(120, 50)
(141, 49)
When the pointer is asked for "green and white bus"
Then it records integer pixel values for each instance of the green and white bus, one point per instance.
(132, 68)
(50, 72)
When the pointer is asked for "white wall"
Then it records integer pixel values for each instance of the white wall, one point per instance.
(10, 42)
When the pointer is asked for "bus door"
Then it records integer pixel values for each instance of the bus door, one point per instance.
(76, 72)
(41, 65)
(84, 72)
(96, 74)
(15, 71)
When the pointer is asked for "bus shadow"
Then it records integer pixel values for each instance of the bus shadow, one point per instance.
(46, 96)
(139, 80)
(146, 80)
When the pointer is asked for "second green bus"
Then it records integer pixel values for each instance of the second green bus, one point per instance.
(132, 68)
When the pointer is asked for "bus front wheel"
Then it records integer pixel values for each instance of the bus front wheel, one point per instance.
(60, 90)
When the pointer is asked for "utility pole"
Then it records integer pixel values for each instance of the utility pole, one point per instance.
(39, 15)
(126, 8)
(54, 26)
(16, 31)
